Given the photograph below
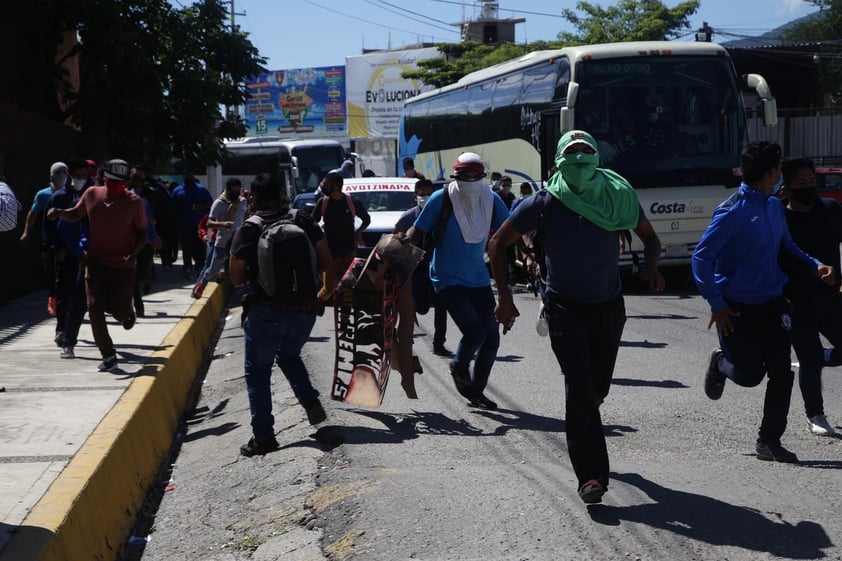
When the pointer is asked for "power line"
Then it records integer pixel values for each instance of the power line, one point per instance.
(334, 11)
(505, 9)
(402, 12)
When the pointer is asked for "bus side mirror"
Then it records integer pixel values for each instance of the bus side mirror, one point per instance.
(770, 105)
(567, 120)
(295, 167)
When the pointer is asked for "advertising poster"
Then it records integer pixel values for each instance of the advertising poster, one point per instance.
(301, 102)
(376, 91)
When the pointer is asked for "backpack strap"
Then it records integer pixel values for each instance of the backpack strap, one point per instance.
(348, 201)
(444, 216)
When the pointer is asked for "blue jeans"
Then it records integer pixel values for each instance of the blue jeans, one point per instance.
(820, 315)
(472, 309)
(213, 263)
(275, 336)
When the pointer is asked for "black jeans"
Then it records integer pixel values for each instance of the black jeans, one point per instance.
(760, 346)
(585, 338)
(192, 250)
(70, 299)
(425, 298)
(820, 315)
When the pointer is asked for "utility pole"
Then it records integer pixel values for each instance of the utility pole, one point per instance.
(233, 110)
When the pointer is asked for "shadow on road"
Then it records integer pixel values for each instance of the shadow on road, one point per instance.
(648, 383)
(716, 522)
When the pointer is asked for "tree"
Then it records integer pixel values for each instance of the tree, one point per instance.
(153, 78)
(460, 59)
(822, 29)
(628, 20)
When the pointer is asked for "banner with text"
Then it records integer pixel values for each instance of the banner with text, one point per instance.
(301, 102)
(376, 91)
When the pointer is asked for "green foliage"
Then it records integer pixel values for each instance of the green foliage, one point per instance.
(153, 77)
(628, 20)
(823, 29)
(463, 58)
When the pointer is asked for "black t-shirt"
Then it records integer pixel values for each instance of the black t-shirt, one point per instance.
(244, 243)
(339, 223)
(818, 233)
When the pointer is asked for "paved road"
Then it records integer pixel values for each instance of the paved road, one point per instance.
(433, 479)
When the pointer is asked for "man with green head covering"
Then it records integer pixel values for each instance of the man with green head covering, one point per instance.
(579, 219)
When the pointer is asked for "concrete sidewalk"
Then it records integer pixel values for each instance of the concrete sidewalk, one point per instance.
(79, 448)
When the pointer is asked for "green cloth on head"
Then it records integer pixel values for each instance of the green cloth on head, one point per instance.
(602, 196)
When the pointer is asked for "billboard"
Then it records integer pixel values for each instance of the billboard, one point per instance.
(301, 102)
(376, 91)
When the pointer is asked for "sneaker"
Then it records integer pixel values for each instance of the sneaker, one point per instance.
(51, 306)
(59, 338)
(774, 453)
(67, 352)
(541, 324)
(129, 323)
(441, 350)
(108, 364)
(256, 447)
(818, 425)
(482, 402)
(315, 412)
(198, 290)
(591, 492)
(714, 379)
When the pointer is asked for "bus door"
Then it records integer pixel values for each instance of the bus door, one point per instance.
(550, 134)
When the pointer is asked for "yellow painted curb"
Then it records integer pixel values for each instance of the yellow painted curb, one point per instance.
(88, 511)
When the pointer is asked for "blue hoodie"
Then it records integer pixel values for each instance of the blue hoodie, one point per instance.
(737, 257)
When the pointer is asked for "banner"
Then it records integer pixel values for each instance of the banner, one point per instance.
(302, 102)
(376, 91)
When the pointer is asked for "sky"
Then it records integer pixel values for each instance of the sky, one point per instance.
(314, 33)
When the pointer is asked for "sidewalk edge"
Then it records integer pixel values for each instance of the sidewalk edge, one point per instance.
(89, 510)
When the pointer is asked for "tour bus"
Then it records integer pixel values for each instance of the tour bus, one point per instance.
(668, 116)
(301, 164)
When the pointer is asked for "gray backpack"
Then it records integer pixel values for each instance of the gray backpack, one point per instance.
(286, 260)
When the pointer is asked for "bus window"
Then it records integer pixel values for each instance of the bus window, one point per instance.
(507, 90)
(247, 166)
(539, 84)
(314, 162)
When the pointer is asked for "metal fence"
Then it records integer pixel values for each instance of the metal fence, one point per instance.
(817, 135)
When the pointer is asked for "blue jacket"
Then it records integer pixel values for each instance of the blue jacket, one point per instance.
(737, 257)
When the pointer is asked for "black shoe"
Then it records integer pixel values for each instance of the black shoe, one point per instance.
(129, 323)
(482, 402)
(441, 350)
(774, 453)
(256, 447)
(315, 412)
(416, 365)
(714, 379)
(59, 339)
(108, 364)
(463, 384)
(140, 310)
(591, 492)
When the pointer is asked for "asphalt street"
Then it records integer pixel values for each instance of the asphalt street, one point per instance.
(433, 479)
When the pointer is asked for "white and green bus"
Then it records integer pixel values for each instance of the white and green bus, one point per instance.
(301, 164)
(668, 116)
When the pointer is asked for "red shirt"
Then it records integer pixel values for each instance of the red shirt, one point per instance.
(114, 226)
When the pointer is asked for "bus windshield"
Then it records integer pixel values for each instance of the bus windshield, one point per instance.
(669, 120)
(314, 162)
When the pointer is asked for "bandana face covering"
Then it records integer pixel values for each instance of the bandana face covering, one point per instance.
(115, 188)
(578, 168)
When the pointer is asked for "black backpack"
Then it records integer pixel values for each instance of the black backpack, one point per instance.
(286, 260)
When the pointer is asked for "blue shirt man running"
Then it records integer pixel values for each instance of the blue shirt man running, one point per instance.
(736, 269)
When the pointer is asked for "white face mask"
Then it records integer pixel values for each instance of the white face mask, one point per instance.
(78, 184)
(421, 200)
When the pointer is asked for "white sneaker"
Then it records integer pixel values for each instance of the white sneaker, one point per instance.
(67, 352)
(541, 325)
(818, 425)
